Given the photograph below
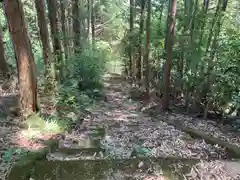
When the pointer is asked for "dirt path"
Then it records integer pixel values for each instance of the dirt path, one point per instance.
(128, 128)
(130, 133)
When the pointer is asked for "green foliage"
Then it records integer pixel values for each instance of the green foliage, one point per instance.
(17, 152)
(88, 66)
(84, 71)
(141, 151)
(47, 124)
(209, 73)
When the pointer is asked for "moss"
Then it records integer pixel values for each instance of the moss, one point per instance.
(25, 165)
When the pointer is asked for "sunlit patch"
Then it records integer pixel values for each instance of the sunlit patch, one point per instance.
(29, 133)
(28, 144)
(36, 131)
(31, 139)
(132, 107)
(125, 117)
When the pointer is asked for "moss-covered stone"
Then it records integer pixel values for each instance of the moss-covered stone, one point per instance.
(28, 160)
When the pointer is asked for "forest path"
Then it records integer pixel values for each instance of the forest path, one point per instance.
(124, 132)
(127, 128)
(130, 133)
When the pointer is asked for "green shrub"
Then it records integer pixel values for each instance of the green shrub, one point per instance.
(67, 93)
(87, 67)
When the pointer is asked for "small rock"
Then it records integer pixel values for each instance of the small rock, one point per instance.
(141, 164)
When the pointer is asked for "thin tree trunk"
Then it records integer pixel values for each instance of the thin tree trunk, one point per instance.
(159, 32)
(44, 35)
(70, 29)
(161, 13)
(167, 26)
(168, 65)
(188, 7)
(214, 20)
(88, 18)
(92, 21)
(3, 61)
(76, 25)
(63, 23)
(203, 19)
(210, 79)
(139, 61)
(131, 64)
(52, 15)
(192, 26)
(25, 60)
(146, 56)
(209, 41)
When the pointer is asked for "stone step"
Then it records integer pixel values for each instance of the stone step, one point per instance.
(120, 169)
(62, 156)
(82, 145)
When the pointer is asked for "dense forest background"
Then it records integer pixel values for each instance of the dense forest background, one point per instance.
(151, 78)
(186, 53)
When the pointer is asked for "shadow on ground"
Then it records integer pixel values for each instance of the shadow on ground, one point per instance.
(132, 146)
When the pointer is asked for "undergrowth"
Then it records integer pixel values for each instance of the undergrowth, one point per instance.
(81, 88)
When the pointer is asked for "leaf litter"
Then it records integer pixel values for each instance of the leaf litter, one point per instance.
(131, 133)
(129, 130)
(209, 127)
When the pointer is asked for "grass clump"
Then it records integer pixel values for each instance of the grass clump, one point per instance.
(37, 125)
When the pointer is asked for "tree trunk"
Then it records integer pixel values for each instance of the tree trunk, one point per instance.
(88, 18)
(210, 78)
(193, 22)
(203, 19)
(167, 27)
(76, 25)
(25, 60)
(63, 23)
(146, 56)
(44, 35)
(168, 65)
(214, 20)
(188, 7)
(192, 26)
(139, 62)
(52, 15)
(70, 28)
(210, 61)
(131, 64)
(3, 62)
(92, 21)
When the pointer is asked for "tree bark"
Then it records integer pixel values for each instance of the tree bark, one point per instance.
(93, 21)
(70, 28)
(146, 56)
(203, 19)
(214, 20)
(188, 11)
(44, 35)
(63, 23)
(193, 22)
(139, 61)
(88, 18)
(52, 15)
(168, 65)
(3, 61)
(222, 5)
(25, 59)
(167, 27)
(131, 64)
(76, 25)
